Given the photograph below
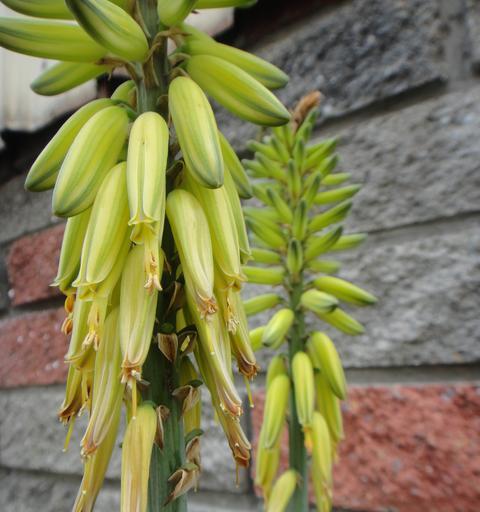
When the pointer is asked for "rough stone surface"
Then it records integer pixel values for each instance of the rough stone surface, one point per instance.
(32, 438)
(360, 53)
(415, 165)
(408, 449)
(23, 212)
(32, 266)
(427, 313)
(473, 21)
(32, 349)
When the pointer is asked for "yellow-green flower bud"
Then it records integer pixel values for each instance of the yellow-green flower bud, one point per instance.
(235, 169)
(106, 230)
(321, 448)
(318, 302)
(329, 406)
(276, 404)
(256, 336)
(90, 158)
(277, 366)
(196, 131)
(258, 275)
(325, 357)
(342, 321)
(277, 328)
(304, 389)
(344, 290)
(260, 303)
(69, 263)
(108, 390)
(282, 491)
(265, 256)
(317, 245)
(331, 216)
(339, 194)
(137, 317)
(192, 238)
(136, 453)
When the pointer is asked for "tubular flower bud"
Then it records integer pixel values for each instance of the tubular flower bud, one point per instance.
(344, 290)
(300, 220)
(329, 406)
(265, 256)
(277, 366)
(342, 321)
(258, 275)
(192, 238)
(333, 180)
(294, 259)
(78, 354)
(91, 156)
(325, 357)
(146, 164)
(95, 467)
(267, 463)
(125, 92)
(136, 453)
(321, 449)
(241, 346)
(349, 242)
(137, 317)
(69, 263)
(324, 266)
(331, 216)
(44, 171)
(334, 196)
(261, 303)
(275, 410)
(320, 244)
(284, 211)
(277, 328)
(235, 169)
(256, 336)
(304, 389)
(172, 13)
(214, 343)
(226, 249)
(106, 230)
(75, 397)
(282, 491)
(196, 131)
(192, 417)
(318, 302)
(107, 392)
(236, 207)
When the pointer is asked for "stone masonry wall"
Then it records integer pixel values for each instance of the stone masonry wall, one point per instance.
(402, 86)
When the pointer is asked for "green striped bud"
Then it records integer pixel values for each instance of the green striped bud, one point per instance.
(294, 180)
(324, 266)
(276, 404)
(44, 171)
(173, 12)
(112, 27)
(260, 148)
(69, 263)
(277, 328)
(260, 303)
(221, 222)
(78, 354)
(317, 153)
(197, 132)
(107, 392)
(346, 242)
(256, 336)
(107, 229)
(342, 321)
(267, 231)
(304, 389)
(280, 205)
(322, 449)
(311, 188)
(192, 238)
(125, 92)
(93, 153)
(136, 454)
(334, 196)
(329, 406)
(294, 259)
(333, 180)
(257, 275)
(319, 244)
(137, 318)
(325, 357)
(331, 216)
(277, 366)
(344, 290)
(53, 9)
(265, 256)
(318, 302)
(282, 491)
(235, 169)
(236, 90)
(299, 154)
(266, 467)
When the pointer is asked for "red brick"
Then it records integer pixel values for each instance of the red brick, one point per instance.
(407, 449)
(32, 265)
(32, 349)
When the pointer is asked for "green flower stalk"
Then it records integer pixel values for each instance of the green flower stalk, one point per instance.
(295, 233)
(151, 262)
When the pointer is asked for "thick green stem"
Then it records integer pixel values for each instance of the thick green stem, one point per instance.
(297, 451)
(159, 372)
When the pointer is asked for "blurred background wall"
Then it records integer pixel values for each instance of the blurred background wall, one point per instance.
(401, 80)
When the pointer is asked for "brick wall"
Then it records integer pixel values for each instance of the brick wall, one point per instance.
(402, 86)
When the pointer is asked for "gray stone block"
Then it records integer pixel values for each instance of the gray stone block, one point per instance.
(31, 438)
(357, 54)
(415, 165)
(473, 23)
(22, 211)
